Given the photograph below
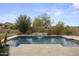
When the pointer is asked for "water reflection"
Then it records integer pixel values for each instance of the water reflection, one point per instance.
(42, 40)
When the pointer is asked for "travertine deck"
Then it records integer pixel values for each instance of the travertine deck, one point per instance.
(44, 50)
(73, 37)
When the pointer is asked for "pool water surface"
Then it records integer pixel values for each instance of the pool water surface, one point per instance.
(43, 40)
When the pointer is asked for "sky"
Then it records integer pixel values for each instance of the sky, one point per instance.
(65, 12)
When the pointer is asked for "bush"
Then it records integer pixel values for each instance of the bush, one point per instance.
(29, 32)
(23, 23)
(8, 30)
(0, 44)
(68, 30)
(41, 29)
(50, 32)
(58, 28)
(5, 39)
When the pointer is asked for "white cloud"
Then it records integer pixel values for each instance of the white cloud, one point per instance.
(58, 13)
(75, 5)
(55, 12)
(75, 12)
(74, 8)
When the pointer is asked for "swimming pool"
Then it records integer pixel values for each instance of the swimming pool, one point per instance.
(43, 40)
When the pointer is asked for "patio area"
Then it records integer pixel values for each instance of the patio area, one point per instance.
(43, 50)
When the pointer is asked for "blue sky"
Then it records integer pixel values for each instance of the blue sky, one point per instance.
(65, 12)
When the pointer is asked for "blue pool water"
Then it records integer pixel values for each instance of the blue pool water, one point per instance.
(43, 40)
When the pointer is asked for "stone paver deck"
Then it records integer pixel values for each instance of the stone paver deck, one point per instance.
(71, 37)
(44, 50)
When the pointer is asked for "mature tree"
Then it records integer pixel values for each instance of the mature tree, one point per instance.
(41, 22)
(45, 19)
(23, 23)
(58, 28)
(37, 23)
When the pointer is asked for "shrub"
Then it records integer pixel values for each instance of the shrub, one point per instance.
(8, 30)
(5, 39)
(23, 23)
(41, 29)
(58, 28)
(0, 44)
(29, 32)
(50, 32)
(68, 30)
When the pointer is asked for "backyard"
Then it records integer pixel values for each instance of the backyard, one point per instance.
(38, 36)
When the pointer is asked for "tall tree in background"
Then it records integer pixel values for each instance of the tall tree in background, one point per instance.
(46, 21)
(37, 23)
(41, 22)
(23, 23)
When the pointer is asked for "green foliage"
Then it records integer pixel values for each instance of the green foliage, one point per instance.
(41, 22)
(41, 29)
(1, 36)
(4, 43)
(30, 31)
(0, 44)
(8, 25)
(58, 28)
(23, 23)
(11, 27)
(8, 30)
(5, 38)
(37, 22)
(68, 30)
(49, 32)
(45, 20)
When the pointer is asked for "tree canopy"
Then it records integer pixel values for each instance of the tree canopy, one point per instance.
(23, 23)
